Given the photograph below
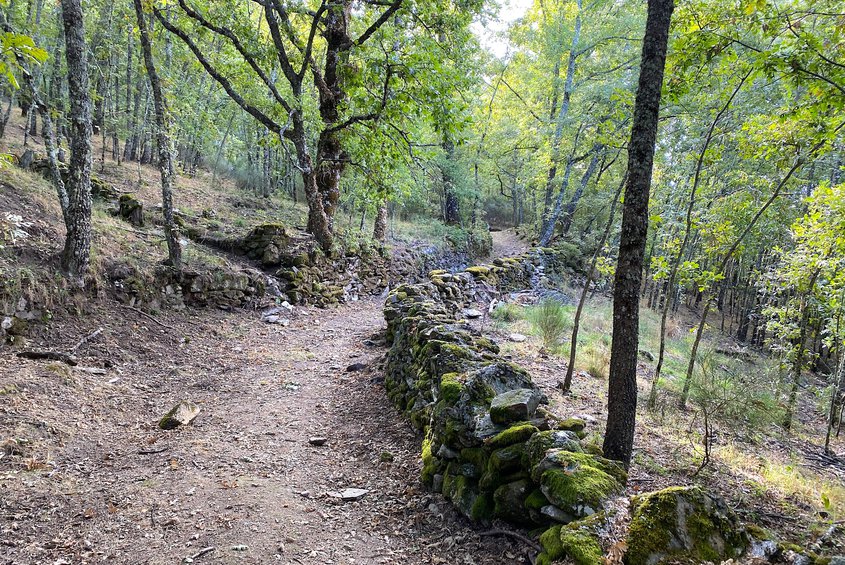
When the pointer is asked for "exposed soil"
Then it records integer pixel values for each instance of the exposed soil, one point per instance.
(91, 477)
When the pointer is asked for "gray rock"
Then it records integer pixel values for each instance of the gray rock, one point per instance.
(518, 338)
(472, 313)
(764, 549)
(509, 501)
(181, 414)
(317, 441)
(514, 406)
(352, 494)
(556, 514)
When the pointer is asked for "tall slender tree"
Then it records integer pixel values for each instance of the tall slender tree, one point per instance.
(163, 141)
(77, 250)
(622, 385)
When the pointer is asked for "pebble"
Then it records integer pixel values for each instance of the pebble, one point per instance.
(518, 338)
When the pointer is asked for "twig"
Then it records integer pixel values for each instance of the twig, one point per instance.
(86, 339)
(148, 316)
(201, 552)
(152, 451)
(50, 355)
(514, 535)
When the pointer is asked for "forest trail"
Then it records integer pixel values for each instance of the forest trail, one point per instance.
(506, 243)
(105, 482)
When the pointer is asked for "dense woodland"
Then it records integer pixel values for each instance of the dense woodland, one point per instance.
(371, 113)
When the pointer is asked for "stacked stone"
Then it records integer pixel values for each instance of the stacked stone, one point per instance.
(489, 446)
(493, 450)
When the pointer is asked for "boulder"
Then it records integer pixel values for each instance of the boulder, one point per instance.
(514, 406)
(578, 483)
(683, 523)
(131, 210)
(181, 414)
(579, 542)
(540, 443)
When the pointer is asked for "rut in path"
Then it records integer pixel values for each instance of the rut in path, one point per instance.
(242, 478)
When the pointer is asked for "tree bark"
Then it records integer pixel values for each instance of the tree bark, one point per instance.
(622, 384)
(163, 142)
(380, 227)
(76, 255)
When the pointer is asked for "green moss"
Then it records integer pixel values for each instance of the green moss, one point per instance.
(572, 425)
(682, 523)
(506, 459)
(483, 508)
(580, 490)
(515, 434)
(536, 500)
(430, 462)
(536, 447)
(580, 545)
(550, 540)
(475, 455)
(478, 271)
(450, 387)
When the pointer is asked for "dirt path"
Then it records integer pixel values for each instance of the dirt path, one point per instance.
(507, 243)
(90, 477)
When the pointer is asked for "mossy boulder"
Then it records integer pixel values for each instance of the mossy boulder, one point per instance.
(518, 433)
(578, 542)
(131, 209)
(509, 501)
(578, 483)
(539, 443)
(683, 524)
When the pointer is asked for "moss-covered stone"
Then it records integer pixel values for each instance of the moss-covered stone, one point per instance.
(515, 434)
(550, 542)
(536, 500)
(510, 501)
(580, 545)
(572, 425)
(682, 523)
(514, 405)
(576, 483)
(450, 387)
(507, 459)
(539, 443)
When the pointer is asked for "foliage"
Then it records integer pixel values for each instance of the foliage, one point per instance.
(550, 319)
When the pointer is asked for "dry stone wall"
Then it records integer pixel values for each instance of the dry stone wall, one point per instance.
(495, 452)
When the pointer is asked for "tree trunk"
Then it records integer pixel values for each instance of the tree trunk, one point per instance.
(569, 82)
(164, 143)
(75, 257)
(622, 384)
(380, 227)
(576, 322)
(572, 205)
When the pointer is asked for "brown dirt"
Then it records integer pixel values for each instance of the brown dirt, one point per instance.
(90, 476)
(506, 243)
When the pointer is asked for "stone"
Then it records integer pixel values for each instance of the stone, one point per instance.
(684, 523)
(472, 313)
(182, 414)
(537, 446)
(317, 440)
(509, 501)
(131, 210)
(356, 367)
(514, 406)
(13, 325)
(578, 483)
(353, 494)
(517, 338)
(553, 512)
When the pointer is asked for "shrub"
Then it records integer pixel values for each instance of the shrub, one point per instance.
(507, 312)
(550, 320)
